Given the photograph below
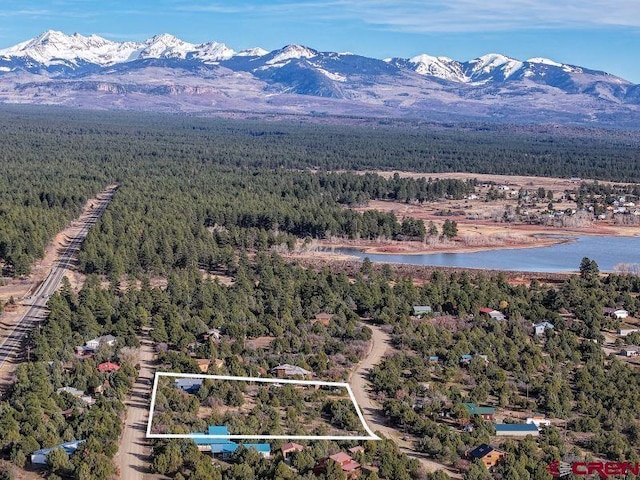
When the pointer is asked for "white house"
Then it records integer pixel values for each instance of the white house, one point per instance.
(540, 328)
(420, 310)
(625, 330)
(214, 333)
(630, 351)
(289, 371)
(74, 392)
(95, 343)
(39, 457)
(539, 421)
(491, 313)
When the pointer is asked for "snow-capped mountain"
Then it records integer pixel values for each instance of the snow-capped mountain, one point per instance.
(491, 67)
(95, 72)
(75, 51)
(290, 52)
(440, 67)
(252, 52)
(165, 46)
(51, 48)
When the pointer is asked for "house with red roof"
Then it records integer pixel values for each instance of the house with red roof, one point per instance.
(323, 317)
(349, 466)
(289, 448)
(108, 367)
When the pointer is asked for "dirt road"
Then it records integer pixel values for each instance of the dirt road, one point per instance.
(33, 293)
(132, 458)
(372, 411)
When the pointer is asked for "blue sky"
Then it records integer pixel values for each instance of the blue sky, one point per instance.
(598, 34)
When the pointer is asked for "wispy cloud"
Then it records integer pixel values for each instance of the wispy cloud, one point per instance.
(495, 15)
(248, 7)
(25, 13)
(424, 16)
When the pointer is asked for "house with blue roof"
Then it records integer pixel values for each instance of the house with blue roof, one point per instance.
(225, 450)
(189, 385)
(218, 430)
(516, 429)
(466, 359)
(39, 457)
(223, 447)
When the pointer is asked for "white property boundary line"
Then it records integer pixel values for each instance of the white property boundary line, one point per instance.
(370, 436)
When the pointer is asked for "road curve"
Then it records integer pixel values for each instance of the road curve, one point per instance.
(11, 347)
(381, 346)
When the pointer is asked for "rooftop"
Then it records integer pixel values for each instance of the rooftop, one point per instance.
(515, 427)
(292, 447)
(68, 447)
(224, 445)
(474, 409)
(292, 370)
(188, 383)
(218, 430)
(481, 451)
(108, 367)
(417, 309)
(544, 324)
(73, 391)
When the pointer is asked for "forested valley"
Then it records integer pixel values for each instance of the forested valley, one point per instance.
(203, 199)
(259, 174)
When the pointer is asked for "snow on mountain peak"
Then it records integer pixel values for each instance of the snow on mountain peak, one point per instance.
(291, 52)
(544, 61)
(424, 58)
(213, 52)
(441, 67)
(166, 45)
(552, 63)
(50, 36)
(53, 47)
(252, 52)
(492, 61)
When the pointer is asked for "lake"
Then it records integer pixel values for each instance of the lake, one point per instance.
(565, 257)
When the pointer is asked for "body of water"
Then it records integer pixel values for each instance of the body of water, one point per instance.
(565, 257)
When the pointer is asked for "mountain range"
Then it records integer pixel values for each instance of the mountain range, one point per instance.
(165, 73)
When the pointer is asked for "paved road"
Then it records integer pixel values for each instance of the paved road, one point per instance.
(380, 346)
(133, 455)
(11, 348)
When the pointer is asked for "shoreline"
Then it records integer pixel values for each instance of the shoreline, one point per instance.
(418, 248)
(332, 250)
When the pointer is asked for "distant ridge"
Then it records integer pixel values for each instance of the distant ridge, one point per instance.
(165, 73)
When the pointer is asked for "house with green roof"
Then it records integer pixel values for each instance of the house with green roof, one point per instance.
(486, 413)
